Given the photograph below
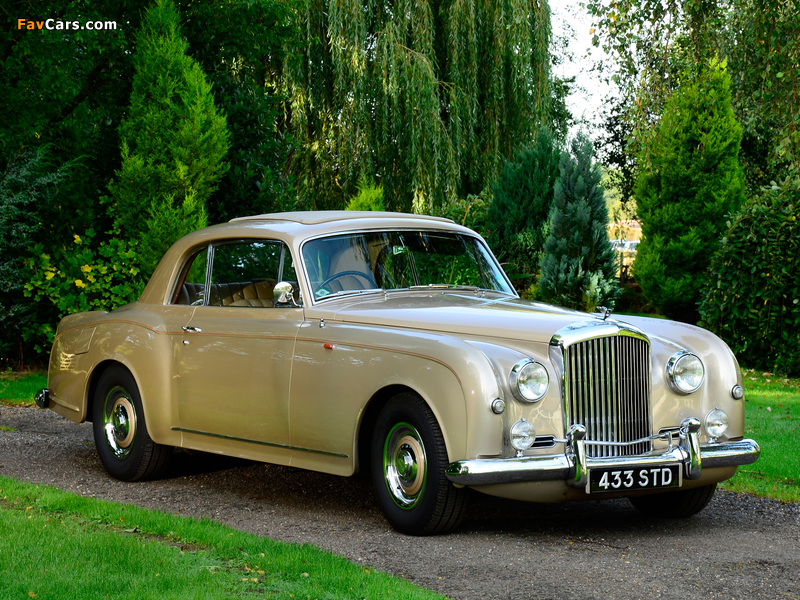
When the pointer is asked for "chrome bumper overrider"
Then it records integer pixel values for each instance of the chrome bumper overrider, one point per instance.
(42, 398)
(573, 465)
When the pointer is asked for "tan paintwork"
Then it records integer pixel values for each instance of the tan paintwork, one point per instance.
(293, 385)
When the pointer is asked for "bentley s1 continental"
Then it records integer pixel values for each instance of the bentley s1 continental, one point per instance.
(395, 344)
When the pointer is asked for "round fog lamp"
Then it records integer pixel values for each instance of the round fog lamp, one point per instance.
(523, 434)
(529, 380)
(716, 423)
(685, 372)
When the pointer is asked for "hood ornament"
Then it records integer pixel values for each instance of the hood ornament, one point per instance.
(606, 312)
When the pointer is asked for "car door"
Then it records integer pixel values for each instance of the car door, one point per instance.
(233, 363)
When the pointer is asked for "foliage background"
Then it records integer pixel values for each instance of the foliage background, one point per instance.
(523, 196)
(426, 100)
(426, 97)
(689, 179)
(752, 298)
(578, 267)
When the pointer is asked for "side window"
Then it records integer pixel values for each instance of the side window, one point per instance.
(245, 273)
(193, 282)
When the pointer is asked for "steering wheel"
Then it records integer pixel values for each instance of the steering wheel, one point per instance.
(335, 276)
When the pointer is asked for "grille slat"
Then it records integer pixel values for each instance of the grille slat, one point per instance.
(607, 389)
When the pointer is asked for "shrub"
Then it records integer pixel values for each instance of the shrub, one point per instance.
(469, 212)
(752, 298)
(689, 179)
(369, 196)
(168, 220)
(578, 268)
(88, 275)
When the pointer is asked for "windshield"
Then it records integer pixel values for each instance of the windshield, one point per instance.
(389, 260)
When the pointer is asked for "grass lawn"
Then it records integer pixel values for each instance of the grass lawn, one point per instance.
(772, 406)
(56, 545)
(20, 388)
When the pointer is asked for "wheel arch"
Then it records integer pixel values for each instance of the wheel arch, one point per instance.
(94, 378)
(369, 419)
(462, 410)
(157, 417)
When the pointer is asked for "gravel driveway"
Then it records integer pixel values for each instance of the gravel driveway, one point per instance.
(739, 547)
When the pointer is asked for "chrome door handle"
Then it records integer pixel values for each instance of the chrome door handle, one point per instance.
(191, 329)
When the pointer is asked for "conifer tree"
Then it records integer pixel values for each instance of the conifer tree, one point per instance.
(523, 196)
(689, 179)
(579, 265)
(173, 141)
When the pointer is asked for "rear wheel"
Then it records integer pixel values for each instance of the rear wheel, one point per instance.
(675, 505)
(120, 431)
(409, 459)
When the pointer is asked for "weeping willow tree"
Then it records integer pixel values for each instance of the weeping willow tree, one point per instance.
(427, 96)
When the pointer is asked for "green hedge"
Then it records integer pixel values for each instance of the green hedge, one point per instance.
(752, 299)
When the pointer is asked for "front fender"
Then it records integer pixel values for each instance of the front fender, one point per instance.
(355, 362)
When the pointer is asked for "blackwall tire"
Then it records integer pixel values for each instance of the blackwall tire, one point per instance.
(675, 505)
(120, 432)
(409, 459)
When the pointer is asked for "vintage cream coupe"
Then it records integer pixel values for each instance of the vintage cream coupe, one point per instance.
(395, 344)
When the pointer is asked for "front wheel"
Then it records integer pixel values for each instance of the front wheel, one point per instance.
(675, 505)
(409, 459)
(120, 432)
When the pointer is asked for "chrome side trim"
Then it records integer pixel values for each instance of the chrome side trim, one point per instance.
(260, 443)
(554, 467)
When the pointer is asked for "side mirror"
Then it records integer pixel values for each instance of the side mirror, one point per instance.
(284, 294)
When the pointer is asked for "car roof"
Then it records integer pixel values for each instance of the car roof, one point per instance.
(330, 216)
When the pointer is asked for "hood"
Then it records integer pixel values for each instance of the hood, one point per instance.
(462, 314)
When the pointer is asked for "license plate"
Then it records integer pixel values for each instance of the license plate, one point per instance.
(635, 478)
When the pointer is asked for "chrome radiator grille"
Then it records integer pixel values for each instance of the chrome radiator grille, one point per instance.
(607, 390)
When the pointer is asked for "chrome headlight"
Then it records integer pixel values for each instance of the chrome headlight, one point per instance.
(685, 372)
(529, 380)
(716, 424)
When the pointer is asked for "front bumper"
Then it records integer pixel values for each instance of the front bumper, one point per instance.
(573, 466)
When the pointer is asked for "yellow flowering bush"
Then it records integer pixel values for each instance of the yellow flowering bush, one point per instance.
(87, 275)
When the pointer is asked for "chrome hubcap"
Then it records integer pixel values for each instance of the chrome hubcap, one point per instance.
(404, 465)
(119, 422)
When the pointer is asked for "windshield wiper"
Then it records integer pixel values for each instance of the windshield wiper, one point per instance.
(478, 291)
(351, 293)
(444, 286)
(447, 287)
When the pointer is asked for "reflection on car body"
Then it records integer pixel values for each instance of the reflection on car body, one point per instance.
(395, 344)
